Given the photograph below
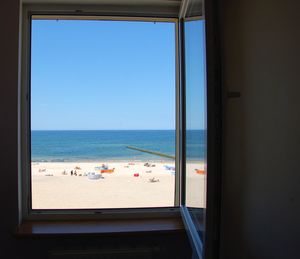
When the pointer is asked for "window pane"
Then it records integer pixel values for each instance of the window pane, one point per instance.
(195, 121)
(102, 114)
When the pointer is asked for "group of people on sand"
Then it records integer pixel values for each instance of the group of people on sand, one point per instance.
(149, 165)
(73, 172)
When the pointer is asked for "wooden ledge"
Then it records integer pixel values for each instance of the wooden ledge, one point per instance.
(99, 227)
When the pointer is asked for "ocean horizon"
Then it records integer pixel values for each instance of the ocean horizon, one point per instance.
(111, 145)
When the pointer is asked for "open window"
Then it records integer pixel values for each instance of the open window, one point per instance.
(115, 113)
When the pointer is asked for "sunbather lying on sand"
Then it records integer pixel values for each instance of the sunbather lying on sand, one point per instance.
(153, 180)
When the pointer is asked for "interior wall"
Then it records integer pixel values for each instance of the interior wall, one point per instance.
(8, 129)
(261, 180)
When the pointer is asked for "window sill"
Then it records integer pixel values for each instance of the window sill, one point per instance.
(97, 227)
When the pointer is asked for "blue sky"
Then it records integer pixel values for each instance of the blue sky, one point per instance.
(93, 75)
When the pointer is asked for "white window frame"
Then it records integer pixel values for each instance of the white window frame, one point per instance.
(26, 213)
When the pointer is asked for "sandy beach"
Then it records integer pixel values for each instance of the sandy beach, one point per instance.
(132, 184)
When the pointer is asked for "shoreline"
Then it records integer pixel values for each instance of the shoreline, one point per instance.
(103, 160)
(116, 161)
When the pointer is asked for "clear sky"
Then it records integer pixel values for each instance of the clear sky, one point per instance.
(93, 75)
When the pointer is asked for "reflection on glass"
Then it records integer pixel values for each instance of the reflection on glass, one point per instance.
(195, 121)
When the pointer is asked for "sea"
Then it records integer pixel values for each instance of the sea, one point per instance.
(111, 145)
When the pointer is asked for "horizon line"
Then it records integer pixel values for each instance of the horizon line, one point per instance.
(100, 129)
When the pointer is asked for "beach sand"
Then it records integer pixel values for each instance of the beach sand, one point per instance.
(51, 189)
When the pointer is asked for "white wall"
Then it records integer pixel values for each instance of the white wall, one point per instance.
(261, 51)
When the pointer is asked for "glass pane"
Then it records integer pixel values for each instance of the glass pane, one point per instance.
(195, 122)
(102, 114)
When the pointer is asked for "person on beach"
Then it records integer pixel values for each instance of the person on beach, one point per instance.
(71, 172)
(153, 180)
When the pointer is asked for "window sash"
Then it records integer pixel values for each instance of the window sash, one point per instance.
(36, 12)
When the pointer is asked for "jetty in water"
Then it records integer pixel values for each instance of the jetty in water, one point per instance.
(151, 152)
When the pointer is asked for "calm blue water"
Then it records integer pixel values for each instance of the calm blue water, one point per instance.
(91, 145)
